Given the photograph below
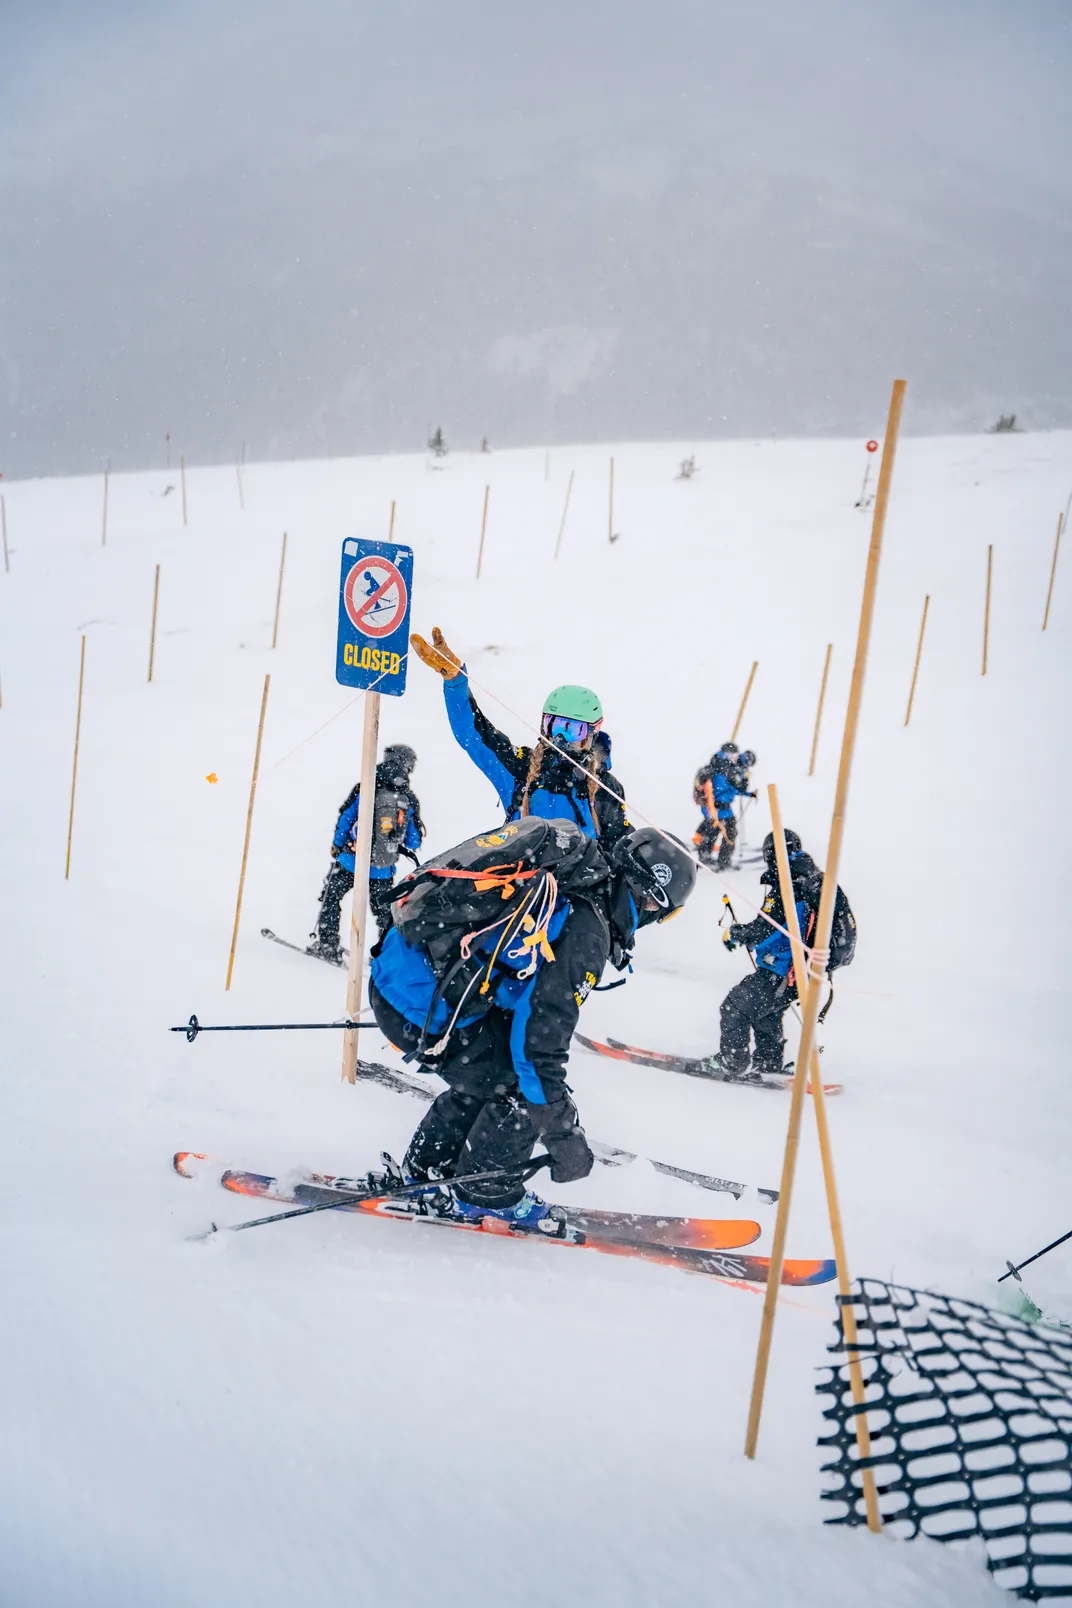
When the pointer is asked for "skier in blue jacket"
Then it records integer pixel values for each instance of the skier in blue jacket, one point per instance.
(566, 775)
(398, 829)
(718, 783)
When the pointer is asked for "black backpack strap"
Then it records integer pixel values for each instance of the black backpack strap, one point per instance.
(829, 1002)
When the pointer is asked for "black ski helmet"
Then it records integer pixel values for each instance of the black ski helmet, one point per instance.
(728, 748)
(792, 844)
(747, 759)
(399, 759)
(655, 865)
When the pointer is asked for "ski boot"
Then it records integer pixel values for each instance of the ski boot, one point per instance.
(719, 1071)
(530, 1214)
(329, 952)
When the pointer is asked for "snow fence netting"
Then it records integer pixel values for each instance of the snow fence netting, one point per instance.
(971, 1430)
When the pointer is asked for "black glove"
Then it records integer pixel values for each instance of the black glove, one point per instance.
(563, 1137)
(732, 936)
(751, 795)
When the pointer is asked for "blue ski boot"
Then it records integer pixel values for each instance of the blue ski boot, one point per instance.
(530, 1214)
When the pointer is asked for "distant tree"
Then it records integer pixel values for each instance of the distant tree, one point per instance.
(687, 470)
(436, 443)
(1006, 423)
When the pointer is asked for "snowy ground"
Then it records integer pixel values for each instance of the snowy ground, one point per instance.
(335, 1406)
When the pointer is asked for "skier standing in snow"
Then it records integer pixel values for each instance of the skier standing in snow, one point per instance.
(503, 1051)
(398, 829)
(754, 1007)
(557, 779)
(718, 783)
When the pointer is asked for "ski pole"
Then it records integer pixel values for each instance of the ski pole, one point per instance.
(528, 1171)
(733, 917)
(193, 1027)
(1015, 1271)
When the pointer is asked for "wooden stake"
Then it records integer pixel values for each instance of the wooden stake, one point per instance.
(483, 528)
(986, 614)
(104, 515)
(152, 632)
(74, 767)
(3, 522)
(249, 828)
(744, 701)
(182, 473)
(1049, 589)
(279, 590)
(238, 474)
(610, 510)
(856, 1378)
(819, 711)
(810, 1004)
(366, 818)
(391, 526)
(919, 650)
(565, 511)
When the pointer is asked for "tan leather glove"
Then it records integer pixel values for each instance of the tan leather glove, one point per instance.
(436, 655)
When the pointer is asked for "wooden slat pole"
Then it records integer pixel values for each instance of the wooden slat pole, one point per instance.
(819, 711)
(562, 521)
(74, 767)
(483, 531)
(915, 667)
(610, 508)
(366, 818)
(391, 526)
(856, 1378)
(744, 701)
(249, 828)
(152, 631)
(104, 514)
(279, 592)
(1049, 589)
(3, 522)
(182, 476)
(986, 611)
(824, 923)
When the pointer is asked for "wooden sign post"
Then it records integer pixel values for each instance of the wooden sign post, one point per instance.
(182, 476)
(744, 701)
(915, 667)
(565, 511)
(483, 530)
(74, 767)
(279, 591)
(249, 828)
(819, 711)
(821, 944)
(986, 612)
(1049, 589)
(366, 819)
(104, 515)
(152, 632)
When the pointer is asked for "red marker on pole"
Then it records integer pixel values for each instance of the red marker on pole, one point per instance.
(864, 500)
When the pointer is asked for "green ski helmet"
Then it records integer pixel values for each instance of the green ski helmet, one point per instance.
(571, 716)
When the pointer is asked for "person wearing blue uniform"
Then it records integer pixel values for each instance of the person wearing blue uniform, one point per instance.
(397, 830)
(718, 783)
(566, 776)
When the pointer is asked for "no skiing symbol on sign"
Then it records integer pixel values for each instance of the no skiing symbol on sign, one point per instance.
(375, 597)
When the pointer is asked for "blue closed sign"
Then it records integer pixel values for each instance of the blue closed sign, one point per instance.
(375, 596)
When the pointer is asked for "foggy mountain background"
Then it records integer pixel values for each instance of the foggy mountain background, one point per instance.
(321, 228)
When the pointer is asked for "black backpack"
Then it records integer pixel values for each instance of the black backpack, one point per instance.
(842, 933)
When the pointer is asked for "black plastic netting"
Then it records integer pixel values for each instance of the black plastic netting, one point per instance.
(970, 1414)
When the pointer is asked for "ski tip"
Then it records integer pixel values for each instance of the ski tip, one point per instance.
(803, 1272)
(185, 1162)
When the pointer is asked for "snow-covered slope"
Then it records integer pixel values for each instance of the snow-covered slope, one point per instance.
(335, 1406)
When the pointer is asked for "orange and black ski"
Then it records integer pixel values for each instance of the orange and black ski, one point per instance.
(690, 1066)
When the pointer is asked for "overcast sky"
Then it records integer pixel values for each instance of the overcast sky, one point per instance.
(323, 226)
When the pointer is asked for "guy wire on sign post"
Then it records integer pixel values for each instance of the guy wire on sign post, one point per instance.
(371, 652)
(820, 947)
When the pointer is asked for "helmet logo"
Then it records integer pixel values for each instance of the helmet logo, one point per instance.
(662, 874)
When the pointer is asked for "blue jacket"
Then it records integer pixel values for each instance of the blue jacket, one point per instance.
(346, 836)
(561, 791)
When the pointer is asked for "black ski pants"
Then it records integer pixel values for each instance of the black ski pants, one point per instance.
(707, 836)
(754, 1007)
(337, 884)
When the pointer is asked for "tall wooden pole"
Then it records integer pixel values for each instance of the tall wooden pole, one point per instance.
(986, 612)
(391, 526)
(74, 767)
(182, 476)
(819, 711)
(810, 1004)
(152, 632)
(744, 701)
(104, 515)
(610, 508)
(3, 522)
(915, 667)
(483, 529)
(366, 818)
(279, 591)
(249, 828)
(856, 1378)
(1049, 589)
(565, 511)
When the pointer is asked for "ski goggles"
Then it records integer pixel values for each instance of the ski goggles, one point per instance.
(573, 732)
